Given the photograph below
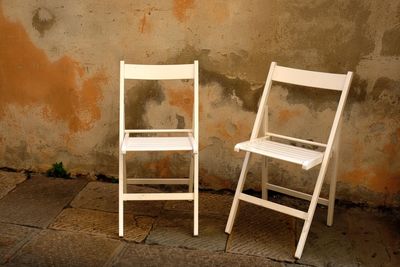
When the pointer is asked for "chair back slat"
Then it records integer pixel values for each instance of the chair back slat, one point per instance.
(309, 78)
(159, 72)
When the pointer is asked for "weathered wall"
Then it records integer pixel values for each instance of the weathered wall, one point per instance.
(59, 77)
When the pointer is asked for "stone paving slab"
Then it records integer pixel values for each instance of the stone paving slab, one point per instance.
(9, 180)
(104, 196)
(103, 223)
(149, 256)
(37, 201)
(208, 204)
(59, 248)
(327, 246)
(375, 239)
(12, 238)
(262, 232)
(176, 229)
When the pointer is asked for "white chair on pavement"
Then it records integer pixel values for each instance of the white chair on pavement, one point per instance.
(268, 144)
(183, 139)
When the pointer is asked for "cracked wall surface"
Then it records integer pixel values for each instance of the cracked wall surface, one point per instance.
(59, 85)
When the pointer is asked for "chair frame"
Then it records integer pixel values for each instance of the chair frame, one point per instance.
(160, 72)
(339, 82)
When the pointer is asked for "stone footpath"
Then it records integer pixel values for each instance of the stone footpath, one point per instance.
(56, 222)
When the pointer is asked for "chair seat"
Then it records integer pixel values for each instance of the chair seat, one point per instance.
(157, 144)
(306, 157)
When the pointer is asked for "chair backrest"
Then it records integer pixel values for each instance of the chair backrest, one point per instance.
(160, 72)
(322, 80)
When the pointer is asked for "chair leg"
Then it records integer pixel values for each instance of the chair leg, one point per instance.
(191, 175)
(311, 211)
(239, 189)
(264, 178)
(124, 170)
(196, 195)
(332, 189)
(121, 183)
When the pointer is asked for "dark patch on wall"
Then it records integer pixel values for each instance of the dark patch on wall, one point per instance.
(314, 98)
(234, 87)
(181, 121)
(387, 93)
(43, 20)
(391, 42)
(340, 34)
(135, 102)
(358, 90)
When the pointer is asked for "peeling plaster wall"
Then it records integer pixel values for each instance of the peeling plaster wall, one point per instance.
(59, 76)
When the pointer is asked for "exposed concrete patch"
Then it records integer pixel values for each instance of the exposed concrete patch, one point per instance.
(43, 20)
(103, 223)
(176, 229)
(9, 180)
(37, 201)
(234, 87)
(59, 248)
(391, 41)
(136, 99)
(12, 238)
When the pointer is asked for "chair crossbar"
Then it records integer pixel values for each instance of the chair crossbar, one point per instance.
(295, 193)
(309, 78)
(159, 131)
(158, 180)
(159, 72)
(158, 196)
(273, 206)
(295, 139)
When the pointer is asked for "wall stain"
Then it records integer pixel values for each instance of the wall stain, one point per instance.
(234, 87)
(135, 102)
(348, 39)
(181, 7)
(144, 24)
(358, 90)
(386, 90)
(43, 20)
(287, 114)
(62, 88)
(391, 42)
(182, 98)
(181, 121)
(313, 98)
(161, 168)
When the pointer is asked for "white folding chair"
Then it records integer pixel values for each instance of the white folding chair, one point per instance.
(261, 143)
(189, 142)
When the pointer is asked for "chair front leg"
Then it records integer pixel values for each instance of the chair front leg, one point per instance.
(121, 182)
(196, 195)
(239, 189)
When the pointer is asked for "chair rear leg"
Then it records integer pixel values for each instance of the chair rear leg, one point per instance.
(332, 190)
(191, 175)
(239, 189)
(196, 195)
(264, 178)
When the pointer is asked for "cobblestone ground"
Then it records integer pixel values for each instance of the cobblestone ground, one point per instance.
(56, 222)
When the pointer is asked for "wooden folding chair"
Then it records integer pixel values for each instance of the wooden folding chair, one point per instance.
(261, 143)
(189, 142)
